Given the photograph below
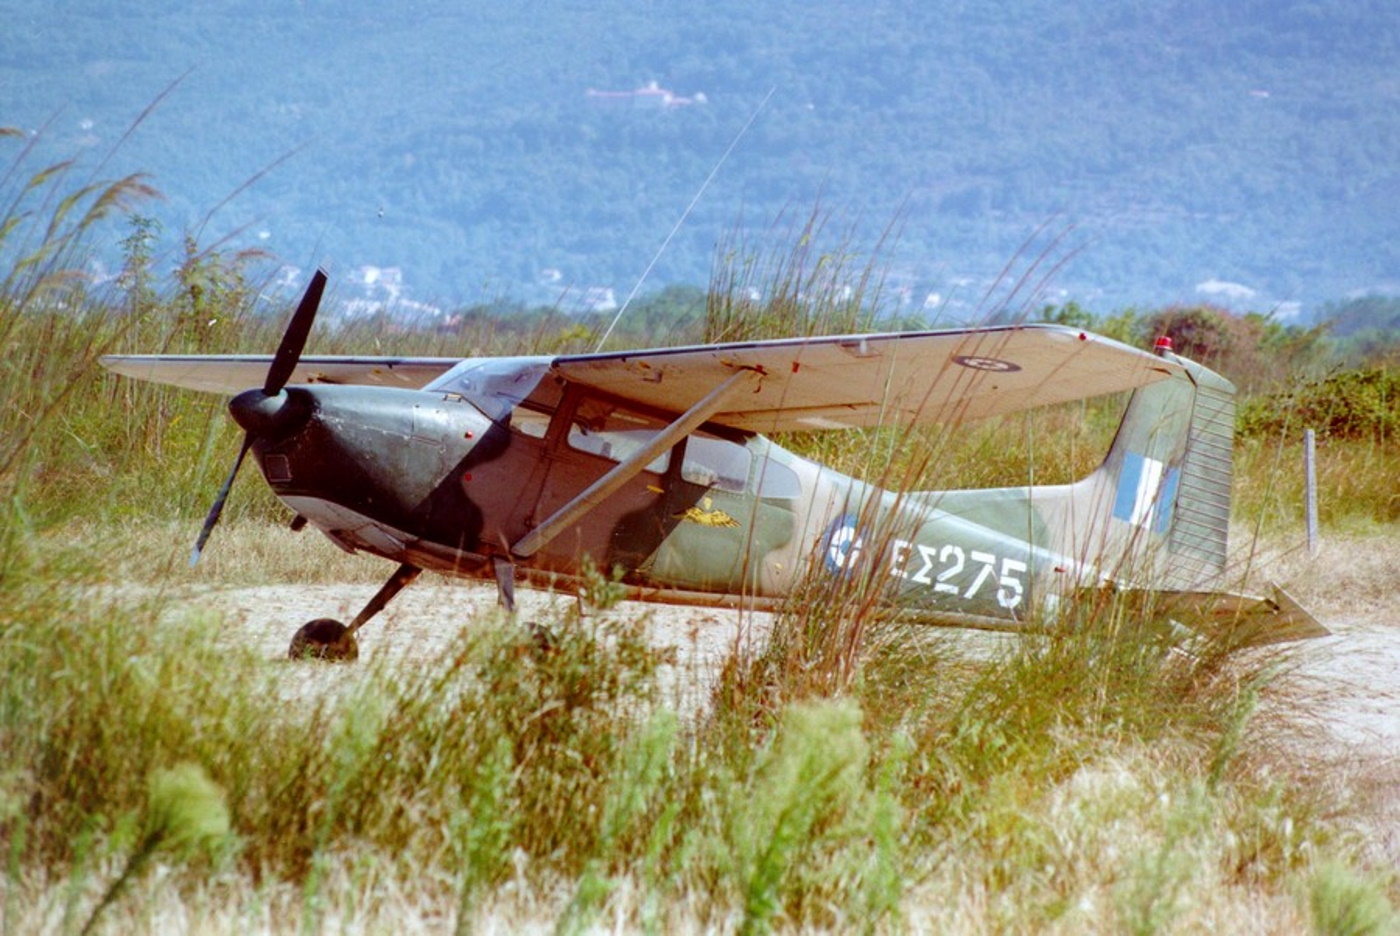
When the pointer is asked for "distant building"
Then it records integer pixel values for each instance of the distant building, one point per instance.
(600, 299)
(1226, 290)
(380, 282)
(583, 300)
(381, 295)
(650, 96)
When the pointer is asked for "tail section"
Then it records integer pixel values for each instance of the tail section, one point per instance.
(1158, 508)
(1152, 522)
(1198, 538)
(1154, 519)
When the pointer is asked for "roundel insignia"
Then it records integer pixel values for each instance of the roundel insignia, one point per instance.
(841, 545)
(986, 363)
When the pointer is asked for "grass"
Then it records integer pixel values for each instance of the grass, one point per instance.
(1353, 496)
(1084, 781)
(847, 773)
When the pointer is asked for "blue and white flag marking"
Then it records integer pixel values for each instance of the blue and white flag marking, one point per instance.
(1146, 492)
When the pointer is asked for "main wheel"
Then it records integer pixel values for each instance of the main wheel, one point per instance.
(323, 639)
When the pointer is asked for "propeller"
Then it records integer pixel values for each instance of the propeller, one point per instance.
(261, 402)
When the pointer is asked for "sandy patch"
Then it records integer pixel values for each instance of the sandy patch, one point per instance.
(423, 621)
(1347, 686)
(1351, 680)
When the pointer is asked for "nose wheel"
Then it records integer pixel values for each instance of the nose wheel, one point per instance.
(324, 639)
(330, 640)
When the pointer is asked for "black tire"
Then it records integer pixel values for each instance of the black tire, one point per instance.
(543, 641)
(323, 639)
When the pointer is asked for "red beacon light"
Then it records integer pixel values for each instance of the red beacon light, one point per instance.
(1163, 345)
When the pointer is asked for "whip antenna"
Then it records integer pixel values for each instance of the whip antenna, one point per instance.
(681, 220)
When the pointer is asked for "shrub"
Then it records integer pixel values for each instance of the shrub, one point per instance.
(1362, 405)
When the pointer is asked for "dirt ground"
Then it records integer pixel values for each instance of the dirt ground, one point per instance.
(423, 620)
(1345, 688)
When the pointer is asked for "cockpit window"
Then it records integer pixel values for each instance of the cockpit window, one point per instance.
(716, 463)
(726, 465)
(531, 422)
(615, 434)
(774, 479)
(494, 385)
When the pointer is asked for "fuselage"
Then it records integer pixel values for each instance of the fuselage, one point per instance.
(456, 476)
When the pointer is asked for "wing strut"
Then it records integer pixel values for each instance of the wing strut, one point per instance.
(628, 468)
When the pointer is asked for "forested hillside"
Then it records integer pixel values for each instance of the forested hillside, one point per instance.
(1242, 152)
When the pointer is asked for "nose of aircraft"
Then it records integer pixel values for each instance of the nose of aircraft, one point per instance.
(273, 416)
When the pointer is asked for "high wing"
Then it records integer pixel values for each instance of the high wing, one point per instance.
(826, 382)
(228, 374)
(866, 380)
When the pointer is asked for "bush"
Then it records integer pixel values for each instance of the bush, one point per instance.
(1362, 405)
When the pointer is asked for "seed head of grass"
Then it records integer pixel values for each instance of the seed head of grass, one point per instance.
(186, 809)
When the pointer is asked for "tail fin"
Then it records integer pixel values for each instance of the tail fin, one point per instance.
(1199, 527)
(1153, 520)
(1158, 512)
(1158, 508)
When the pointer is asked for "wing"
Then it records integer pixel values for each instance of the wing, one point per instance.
(230, 373)
(866, 380)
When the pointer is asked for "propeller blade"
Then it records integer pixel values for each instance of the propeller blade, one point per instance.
(218, 507)
(284, 362)
(289, 351)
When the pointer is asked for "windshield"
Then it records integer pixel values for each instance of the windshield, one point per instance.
(494, 385)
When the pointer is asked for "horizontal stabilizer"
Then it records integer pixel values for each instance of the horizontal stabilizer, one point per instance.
(1238, 620)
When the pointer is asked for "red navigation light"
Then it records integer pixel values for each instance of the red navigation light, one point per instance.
(1163, 345)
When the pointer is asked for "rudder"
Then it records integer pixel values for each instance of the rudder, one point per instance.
(1158, 508)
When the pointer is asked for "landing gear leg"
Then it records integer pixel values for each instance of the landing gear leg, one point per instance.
(505, 595)
(505, 583)
(328, 639)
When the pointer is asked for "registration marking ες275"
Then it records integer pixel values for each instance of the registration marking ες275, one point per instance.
(947, 570)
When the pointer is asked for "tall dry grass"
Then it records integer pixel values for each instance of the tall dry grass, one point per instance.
(957, 785)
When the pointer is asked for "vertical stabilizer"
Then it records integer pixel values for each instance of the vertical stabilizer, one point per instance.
(1158, 508)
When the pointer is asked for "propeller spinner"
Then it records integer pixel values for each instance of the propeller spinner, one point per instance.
(256, 410)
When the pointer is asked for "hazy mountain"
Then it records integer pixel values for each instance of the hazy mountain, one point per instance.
(1245, 152)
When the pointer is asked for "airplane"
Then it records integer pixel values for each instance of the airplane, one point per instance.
(658, 464)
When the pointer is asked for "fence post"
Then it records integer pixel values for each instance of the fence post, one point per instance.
(1310, 473)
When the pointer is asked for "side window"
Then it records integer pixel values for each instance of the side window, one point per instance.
(716, 463)
(777, 480)
(531, 422)
(616, 434)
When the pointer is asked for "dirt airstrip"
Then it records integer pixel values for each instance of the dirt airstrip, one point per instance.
(1344, 689)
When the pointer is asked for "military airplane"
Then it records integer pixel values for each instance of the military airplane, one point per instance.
(657, 463)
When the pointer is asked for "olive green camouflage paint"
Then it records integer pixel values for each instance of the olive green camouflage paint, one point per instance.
(430, 479)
